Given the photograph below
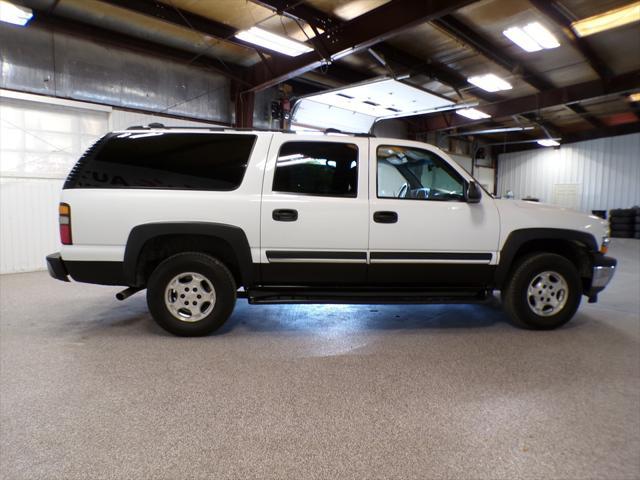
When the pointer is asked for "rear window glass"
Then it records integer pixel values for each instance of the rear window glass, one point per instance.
(165, 160)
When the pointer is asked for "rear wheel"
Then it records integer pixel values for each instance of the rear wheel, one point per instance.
(191, 294)
(543, 292)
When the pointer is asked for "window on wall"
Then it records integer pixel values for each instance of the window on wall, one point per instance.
(39, 140)
(317, 168)
(411, 173)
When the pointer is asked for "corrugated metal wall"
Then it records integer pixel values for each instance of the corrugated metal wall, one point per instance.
(47, 62)
(605, 172)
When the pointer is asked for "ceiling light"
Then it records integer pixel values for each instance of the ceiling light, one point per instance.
(541, 35)
(11, 13)
(608, 20)
(489, 131)
(472, 113)
(522, 39)
(634, 97)
(278, 43)
(548, 142)
(532, 37)
(490, 82)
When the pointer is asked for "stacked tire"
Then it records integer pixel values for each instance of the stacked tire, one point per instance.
(625, 222)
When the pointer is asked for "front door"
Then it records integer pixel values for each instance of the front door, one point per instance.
(422, 231)
(314, 215)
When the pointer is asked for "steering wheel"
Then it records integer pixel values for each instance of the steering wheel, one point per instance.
(403, 190)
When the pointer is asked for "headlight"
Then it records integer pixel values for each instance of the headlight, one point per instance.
(604, 246)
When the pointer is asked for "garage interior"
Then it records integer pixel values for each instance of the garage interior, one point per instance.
(537, 99)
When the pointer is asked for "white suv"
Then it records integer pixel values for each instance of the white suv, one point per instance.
(200, 217)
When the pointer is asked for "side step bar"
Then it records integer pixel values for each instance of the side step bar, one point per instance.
(371, 297)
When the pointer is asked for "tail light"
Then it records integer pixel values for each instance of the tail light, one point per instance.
(65, 224)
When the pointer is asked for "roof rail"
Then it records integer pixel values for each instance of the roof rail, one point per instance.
(243, 129)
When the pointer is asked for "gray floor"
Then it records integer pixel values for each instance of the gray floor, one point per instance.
(91, 388)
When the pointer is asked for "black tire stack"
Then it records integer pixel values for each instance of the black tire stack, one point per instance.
(625, 222)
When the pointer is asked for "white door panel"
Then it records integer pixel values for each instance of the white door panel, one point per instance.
(425, 225)
(322, 234)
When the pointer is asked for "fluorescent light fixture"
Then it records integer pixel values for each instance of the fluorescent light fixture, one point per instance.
(607, 20)
(548, 142)
(278, 43)
(541, 35)
(489, 131)
(472, 113)
(522, 39)
(634, 97)
(11, 13)
(490, 82)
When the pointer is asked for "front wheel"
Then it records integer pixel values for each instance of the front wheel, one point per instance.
(543, 292)
(191, 294)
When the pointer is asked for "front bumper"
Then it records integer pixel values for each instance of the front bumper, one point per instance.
(602, 273)
(56, 267)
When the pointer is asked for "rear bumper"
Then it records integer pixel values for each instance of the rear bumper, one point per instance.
(602, 273)
(98, 272)
(56, 267)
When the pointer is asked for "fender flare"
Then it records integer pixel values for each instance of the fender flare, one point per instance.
(518, 238)
(231, 234)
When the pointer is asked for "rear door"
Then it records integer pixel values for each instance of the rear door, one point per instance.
(314, 214)
(422, 231)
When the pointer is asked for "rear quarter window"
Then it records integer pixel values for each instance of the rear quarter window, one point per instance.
(165, 160)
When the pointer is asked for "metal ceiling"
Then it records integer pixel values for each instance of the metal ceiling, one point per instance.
(438, 43)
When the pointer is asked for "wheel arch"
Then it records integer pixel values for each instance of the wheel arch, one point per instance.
(573, 244)
(149, 244)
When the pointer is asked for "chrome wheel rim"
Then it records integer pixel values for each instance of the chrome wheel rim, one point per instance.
(190, 297)
(547, 293)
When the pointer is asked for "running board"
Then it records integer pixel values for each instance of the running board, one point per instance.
(367, 297)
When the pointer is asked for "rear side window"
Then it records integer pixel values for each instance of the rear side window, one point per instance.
(317, 168)
(165, 160)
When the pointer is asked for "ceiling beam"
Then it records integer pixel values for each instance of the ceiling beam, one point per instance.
(184, 18)
(533, 103)
(109, 37)
(436, 70)
(494, 52)
(552, 10)
(491, 50)
(357, 34)
(210, 27)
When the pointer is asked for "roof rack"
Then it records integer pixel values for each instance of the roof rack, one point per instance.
(156, 125)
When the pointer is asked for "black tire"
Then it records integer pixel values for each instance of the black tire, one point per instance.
(626, 234)
(212, 271)
(528, 269)
(622, 212)
(622, 221)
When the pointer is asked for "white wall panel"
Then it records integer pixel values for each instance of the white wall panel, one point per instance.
(606, 172)
(28, 223)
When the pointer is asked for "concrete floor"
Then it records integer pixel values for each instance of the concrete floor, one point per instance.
(91, 388)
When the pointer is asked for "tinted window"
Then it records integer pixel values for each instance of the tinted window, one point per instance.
(417, 174)
(190, 161)
(317, 168)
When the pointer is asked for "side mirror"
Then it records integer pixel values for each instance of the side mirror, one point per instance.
(474, 193)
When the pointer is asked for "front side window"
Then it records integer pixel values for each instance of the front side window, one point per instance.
(411, 173)
(317, 168)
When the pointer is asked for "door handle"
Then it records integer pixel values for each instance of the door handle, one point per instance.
(285, 215)
(385, 217)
